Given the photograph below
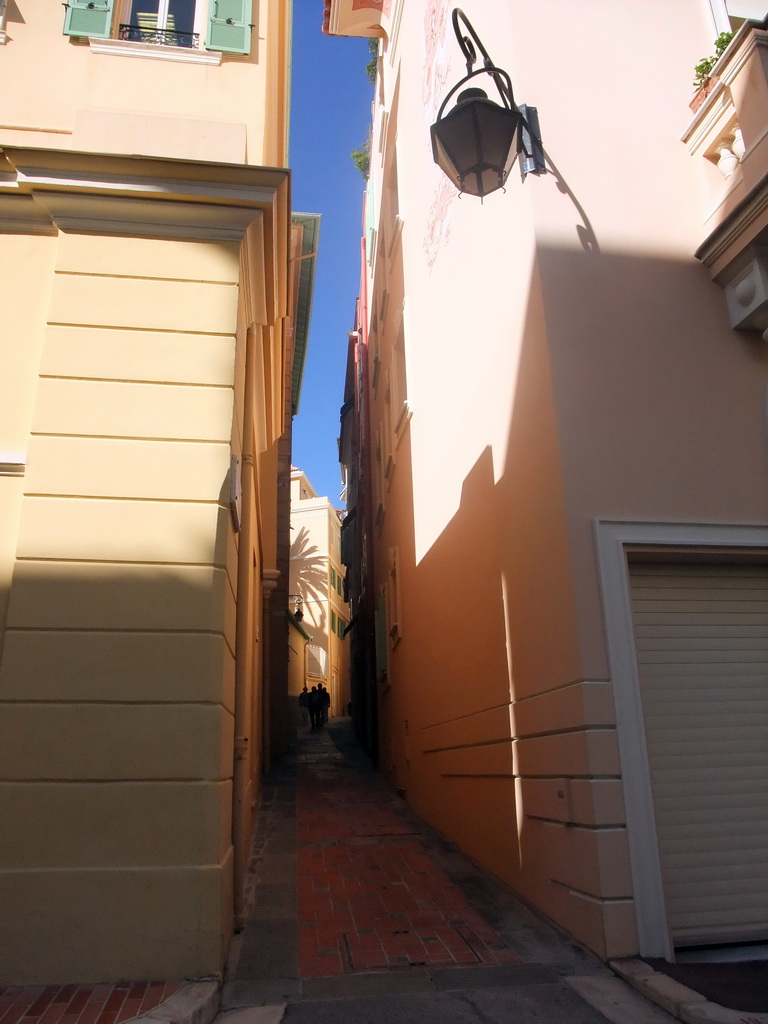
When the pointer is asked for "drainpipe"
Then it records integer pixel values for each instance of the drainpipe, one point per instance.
(244, 640)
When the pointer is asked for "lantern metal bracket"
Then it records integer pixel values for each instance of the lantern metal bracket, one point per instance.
(503, 82)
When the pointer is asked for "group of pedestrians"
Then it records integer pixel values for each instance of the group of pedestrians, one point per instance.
(314, 705)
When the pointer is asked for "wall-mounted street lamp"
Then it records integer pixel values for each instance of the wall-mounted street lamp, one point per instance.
(477, 142)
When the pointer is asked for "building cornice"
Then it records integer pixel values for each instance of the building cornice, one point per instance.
(739, 228)
(49, 189)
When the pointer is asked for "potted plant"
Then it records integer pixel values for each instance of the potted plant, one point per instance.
(703, 80)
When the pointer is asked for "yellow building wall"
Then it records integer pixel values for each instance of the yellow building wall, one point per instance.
(131, 683)
(297, 678)
(118, 658)
(234, 111)
(25, 301)
(314, 553)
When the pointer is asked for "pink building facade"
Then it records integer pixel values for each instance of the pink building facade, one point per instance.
(561, 545)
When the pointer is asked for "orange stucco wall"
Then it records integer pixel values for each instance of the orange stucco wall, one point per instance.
(567, 360)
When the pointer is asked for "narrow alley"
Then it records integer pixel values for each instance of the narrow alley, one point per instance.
(360, 912)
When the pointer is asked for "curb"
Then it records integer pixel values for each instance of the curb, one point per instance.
(196, 1003)
(270, 1014)
(679, 1000)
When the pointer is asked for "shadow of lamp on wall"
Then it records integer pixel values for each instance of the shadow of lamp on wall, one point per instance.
(478, 141)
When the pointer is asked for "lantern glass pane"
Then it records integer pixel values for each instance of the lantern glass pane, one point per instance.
(458, 137)
(498, 130)
(476, 145)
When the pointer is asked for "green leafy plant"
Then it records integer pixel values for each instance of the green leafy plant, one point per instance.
(370, 67)
(362, 158)
(703, 69)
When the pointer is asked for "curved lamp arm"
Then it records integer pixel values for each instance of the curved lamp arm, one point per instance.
(504, 85)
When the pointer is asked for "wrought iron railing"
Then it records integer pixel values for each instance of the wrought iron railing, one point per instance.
(159, 36)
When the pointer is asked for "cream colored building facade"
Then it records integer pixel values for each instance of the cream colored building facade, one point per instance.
(558, 466)
(148, 296)
(317, 580)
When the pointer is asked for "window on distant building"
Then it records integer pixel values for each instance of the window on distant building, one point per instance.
(333, 578)
(379, 481)
(393, 598)
(398, 386)
(382, 647)
(223, 25)
(333, 622)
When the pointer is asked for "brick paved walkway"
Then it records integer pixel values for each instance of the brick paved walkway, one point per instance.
(370, 896)
(82, 1004)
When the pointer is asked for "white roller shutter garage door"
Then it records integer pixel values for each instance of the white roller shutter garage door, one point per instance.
(701, 636)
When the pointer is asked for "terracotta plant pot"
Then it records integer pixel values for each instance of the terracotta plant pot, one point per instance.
(703, 92)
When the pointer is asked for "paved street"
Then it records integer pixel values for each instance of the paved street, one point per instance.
(360, 912)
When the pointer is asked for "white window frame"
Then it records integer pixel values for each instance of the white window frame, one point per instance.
(155, 51)
(162, 13)
(613, 539)
(721, 12)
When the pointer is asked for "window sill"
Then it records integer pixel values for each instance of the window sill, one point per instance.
(180, 54)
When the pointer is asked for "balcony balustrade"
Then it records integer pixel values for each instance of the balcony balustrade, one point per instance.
(728, 138)
(159, 36)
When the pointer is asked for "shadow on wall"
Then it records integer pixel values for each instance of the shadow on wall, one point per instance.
(308, 573)
(632, 399)
(117, 726)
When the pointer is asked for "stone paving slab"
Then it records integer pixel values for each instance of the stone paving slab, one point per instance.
(521, 1005)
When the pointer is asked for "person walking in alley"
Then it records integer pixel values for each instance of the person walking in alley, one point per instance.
(303, 706)
(315, 705)
(325, 703)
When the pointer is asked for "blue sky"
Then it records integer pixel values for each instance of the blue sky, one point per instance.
(330, 113)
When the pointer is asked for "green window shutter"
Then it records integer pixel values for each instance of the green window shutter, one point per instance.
(333, 579)
(229, 27)
(88, 18)
(333, 622)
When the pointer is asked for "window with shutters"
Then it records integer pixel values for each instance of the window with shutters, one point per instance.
(219, 25)
(398, 391)
(395, 618)
(379, 481)
(165, 22)
(317, 661)
(382, 646)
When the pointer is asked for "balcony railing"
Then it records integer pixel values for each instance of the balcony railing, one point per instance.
(730, 129)
(159, 36)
